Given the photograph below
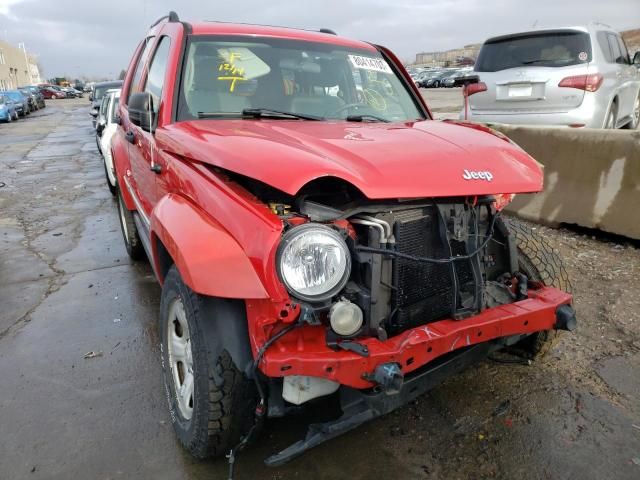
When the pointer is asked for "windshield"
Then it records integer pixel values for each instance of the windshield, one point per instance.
(99, 93)
(545, 49)
(15, 95)
(222, 78)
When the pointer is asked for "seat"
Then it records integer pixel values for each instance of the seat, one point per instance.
(317, 105)
(320, 104)
(207, 93)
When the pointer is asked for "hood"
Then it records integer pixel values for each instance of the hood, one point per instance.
(383, 160)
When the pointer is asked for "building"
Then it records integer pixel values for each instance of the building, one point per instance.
(17, 67)
(450, 57)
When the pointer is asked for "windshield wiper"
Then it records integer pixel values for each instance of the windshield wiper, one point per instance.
(218, 114)
(268, 112)
(366, 117)
(537, 60)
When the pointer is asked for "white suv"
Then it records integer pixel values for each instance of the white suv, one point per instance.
(574, 77)
(106, 126)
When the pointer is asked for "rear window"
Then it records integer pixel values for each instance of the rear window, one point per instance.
(545, 49)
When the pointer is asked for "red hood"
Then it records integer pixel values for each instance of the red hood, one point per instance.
(408, 160)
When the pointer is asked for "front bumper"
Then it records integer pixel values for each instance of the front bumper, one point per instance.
(304, 351)
(359, 407)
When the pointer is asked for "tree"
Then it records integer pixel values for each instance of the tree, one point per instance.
(123, 73)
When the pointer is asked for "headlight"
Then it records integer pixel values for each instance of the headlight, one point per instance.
(313, 262)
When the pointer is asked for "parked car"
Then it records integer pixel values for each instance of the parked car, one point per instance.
(99, 89)
(39, 97)
(435, 81)
(448, 81)
(68, 91)
(578, 77)
(311, 244)
(8, 111)
(21, 101)
(51, 93)
(105, 128)
(423, 77)
(33, 101)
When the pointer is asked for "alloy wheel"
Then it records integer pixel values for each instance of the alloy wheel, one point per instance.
(180, 357)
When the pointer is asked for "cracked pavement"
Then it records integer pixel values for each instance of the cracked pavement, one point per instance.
(68, 288)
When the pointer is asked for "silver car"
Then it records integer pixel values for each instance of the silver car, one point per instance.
(572, 77)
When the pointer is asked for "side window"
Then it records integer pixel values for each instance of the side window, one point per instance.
(604, 46)
(155, 79)
(623, 50)
(104, 106)
(114, 108)
(142, 59)
(615, 48)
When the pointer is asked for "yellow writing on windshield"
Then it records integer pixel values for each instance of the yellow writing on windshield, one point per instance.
(229, 71)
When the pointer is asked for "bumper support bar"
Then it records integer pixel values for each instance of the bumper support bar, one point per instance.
(359, 406)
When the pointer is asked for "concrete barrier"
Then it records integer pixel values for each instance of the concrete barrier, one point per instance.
(591, 178)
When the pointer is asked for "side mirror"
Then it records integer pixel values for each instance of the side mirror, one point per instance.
(636, 59)
(91, 98)
(94, 113)
(99, 128)
(141, 111)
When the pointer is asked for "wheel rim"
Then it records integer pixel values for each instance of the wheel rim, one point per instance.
(180, 357)
(123, 221)
(636, 111)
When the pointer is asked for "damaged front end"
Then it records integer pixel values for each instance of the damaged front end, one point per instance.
(389, 298)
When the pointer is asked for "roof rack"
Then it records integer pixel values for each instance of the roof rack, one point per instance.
(328, 31)
(172, 18)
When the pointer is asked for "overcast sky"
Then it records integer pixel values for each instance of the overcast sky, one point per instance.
(97, 38)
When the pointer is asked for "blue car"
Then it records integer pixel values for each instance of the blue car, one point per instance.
(21, 101)
(8, 111)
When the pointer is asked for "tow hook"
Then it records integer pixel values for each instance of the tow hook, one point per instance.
(566, 318)
(389, 377)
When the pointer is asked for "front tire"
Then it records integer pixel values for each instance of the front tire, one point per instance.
(209, 416)
(540, 263)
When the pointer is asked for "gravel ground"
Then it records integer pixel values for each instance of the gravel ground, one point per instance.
(68, 288)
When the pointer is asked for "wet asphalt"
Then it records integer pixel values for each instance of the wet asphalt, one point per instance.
(67, 288)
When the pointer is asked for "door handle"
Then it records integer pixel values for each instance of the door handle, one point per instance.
(130, 136)
(155, 168)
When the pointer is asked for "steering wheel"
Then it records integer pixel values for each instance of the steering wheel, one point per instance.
(348, 106)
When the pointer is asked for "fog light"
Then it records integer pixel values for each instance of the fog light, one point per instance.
(345, 318)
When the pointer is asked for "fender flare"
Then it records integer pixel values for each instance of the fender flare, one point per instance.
(209, 259)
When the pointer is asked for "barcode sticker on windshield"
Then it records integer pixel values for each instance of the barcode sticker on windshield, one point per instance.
(368, 63)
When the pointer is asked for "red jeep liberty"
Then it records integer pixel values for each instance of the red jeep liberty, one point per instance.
(315, 232)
